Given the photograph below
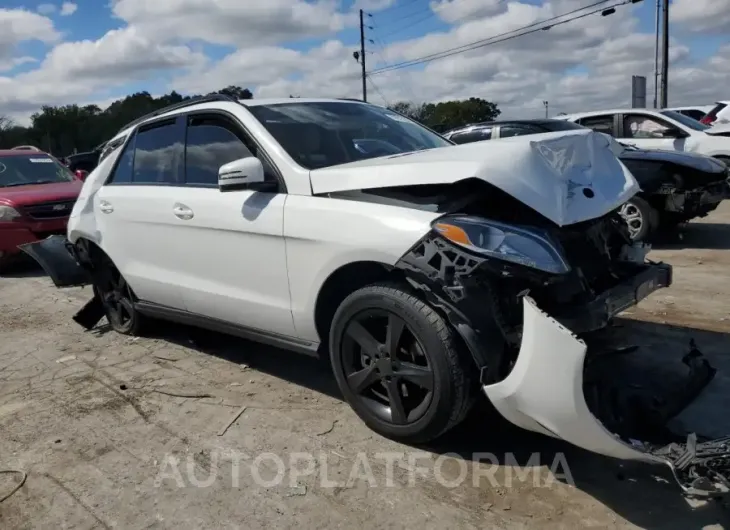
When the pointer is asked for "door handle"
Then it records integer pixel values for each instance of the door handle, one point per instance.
(182, 212)
(106, 207)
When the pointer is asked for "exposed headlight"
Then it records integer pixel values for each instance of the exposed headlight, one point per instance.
(8, 214)
(502, 241)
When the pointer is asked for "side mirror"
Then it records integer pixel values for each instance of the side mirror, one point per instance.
(240, 174)
(81, 174)
(674, 132)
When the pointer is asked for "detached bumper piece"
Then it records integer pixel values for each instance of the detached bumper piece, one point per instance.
(599, 403)
(597, 313)
(698, 202)
(55, 256)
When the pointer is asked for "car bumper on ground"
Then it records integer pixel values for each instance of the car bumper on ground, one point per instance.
(545, 392)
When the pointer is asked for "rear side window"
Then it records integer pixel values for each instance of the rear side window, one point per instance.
(693, 113)
(508, 131)
(158, 154)
(123, 171)
(602, 124)
(211, 142)
(475, 135)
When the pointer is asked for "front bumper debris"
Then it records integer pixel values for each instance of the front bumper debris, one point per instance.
(697, 202)
(55, 255)
(597, 313)
(557, 405)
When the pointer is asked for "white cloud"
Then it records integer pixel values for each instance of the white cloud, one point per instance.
(703, 15)
(19, 25)
(68, 8)
(234, 22)
(585, 64)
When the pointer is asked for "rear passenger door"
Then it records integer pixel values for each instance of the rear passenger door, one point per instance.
(135, 212)
(604, 123)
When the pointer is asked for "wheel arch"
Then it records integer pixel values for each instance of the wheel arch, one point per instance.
(343, 281)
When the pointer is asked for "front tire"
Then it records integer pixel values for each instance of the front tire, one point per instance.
(641, 217)
(399, 365)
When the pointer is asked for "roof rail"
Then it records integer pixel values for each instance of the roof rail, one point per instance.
(186, 103)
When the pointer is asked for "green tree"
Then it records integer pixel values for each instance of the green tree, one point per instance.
(448, 114)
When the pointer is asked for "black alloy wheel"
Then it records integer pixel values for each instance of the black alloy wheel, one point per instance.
(117, 298)
(391, 375)
(399, 364)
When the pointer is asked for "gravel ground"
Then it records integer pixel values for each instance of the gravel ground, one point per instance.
(129, 433)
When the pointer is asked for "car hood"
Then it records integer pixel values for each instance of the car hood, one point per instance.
(568, 177)
(721, 128)
(693, 160)
(36, 193)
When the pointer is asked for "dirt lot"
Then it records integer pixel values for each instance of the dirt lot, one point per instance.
(85, 416)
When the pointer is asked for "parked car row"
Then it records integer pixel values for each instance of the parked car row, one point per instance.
(676, 185)
(426, 272)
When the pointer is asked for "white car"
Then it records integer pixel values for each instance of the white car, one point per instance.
(425, 275)
(657, 129)
(694, 112)
(718, 114)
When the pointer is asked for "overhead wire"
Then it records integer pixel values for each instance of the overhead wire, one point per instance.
(534, 27)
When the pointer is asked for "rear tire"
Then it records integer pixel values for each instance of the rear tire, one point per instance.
(399, 364)
(117, 298)
(641, 217)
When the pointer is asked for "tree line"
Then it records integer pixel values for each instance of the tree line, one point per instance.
(62, 130)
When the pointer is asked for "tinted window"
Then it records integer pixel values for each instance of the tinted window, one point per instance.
(602, 124)
(693, 113)
(474, 135)
(32, 168)
(686, 121)
(560, 125)
(211, 142)
(712, 115)
(123, 171)
(325, 134)
(642, 126)
(507, 131)
(157, 154)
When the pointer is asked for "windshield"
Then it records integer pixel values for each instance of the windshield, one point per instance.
(318, 135)
(685, 120)
(29, 169)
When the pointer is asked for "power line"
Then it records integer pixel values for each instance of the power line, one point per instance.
(378, 91)
(429, 15)
(502, 37)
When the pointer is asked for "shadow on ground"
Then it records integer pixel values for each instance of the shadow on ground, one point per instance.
(21, 267)
(645, 495)
(700, 236)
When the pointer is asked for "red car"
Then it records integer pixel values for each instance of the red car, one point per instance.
(37, 194)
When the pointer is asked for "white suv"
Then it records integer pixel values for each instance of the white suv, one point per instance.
(658, 129)
(424, 270)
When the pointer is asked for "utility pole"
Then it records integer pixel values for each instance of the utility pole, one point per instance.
(546, 103)
(663, 103)
(362, 56)
(657, 17)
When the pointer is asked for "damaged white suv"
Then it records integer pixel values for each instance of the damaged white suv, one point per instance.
(426, 271)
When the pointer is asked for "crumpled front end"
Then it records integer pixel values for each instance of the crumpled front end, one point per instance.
(548, 356)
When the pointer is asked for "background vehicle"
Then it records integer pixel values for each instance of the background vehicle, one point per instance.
(675, 187)
(696, 112)
(85, 161)
(37, 194)
(720, 113)
(425, 275)
(25, 148)
(652, 129)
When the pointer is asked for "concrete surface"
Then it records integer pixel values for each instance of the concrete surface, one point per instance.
(84, 415)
